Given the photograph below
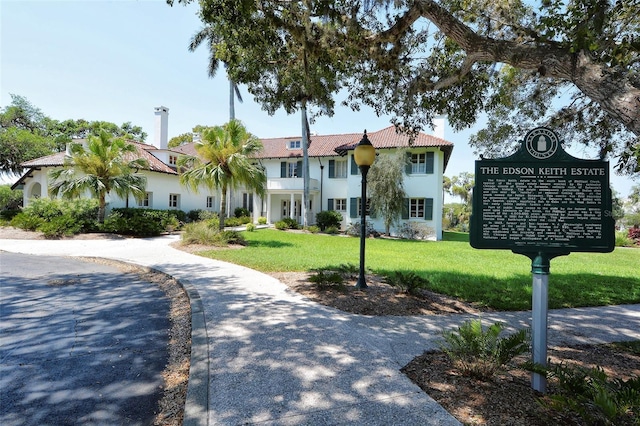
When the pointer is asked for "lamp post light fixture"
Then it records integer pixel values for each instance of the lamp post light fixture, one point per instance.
(364, 156)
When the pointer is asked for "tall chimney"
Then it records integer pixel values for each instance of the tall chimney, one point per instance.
(161, 132)
(438, 126)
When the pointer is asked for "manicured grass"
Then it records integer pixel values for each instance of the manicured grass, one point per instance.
(493, 278)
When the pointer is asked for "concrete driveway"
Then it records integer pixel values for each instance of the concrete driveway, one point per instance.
(80, 343)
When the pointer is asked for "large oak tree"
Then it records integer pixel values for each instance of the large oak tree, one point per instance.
(572, 65)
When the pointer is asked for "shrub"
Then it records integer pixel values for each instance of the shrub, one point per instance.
(59, 226)
(332, 230)
(634, 235)
(593, 396)
(200, 233)
(251, 227)
(415, 231)
(291, 223)
(240, 212)
(26, 221)
(328, 218)
(262, 220)
(479, 353)
(313, 229)
(143, 222)
(623, 240)
(407, 282)
(281, 225)
(326, 278)
(10, 199)
(354, 230)
(58, 217)
(237, 221)
(232, 237)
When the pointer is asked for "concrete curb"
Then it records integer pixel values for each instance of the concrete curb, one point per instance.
(196, 410)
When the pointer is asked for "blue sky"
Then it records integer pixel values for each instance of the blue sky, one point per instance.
(117, 60)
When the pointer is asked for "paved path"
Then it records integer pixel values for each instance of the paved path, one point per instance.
(274, 357)
(80, 343)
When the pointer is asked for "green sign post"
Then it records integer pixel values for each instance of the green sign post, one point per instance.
(542, 202)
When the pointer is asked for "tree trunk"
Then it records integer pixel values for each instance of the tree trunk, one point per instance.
(305, 163)
(223, 207)
(102, 207)
(232, 100)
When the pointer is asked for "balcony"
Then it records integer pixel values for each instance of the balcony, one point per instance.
(291, 184)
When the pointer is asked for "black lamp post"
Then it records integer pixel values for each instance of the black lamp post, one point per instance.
(364, 156)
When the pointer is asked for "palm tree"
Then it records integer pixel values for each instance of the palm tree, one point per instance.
(198, 38)
(105, 164)
(224, 162)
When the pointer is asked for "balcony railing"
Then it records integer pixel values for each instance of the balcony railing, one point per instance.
(291, 184)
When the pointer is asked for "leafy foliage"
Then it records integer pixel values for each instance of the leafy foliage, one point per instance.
(407, 282)
(207, 233)
(593, 396)
(10, 199)
(58, 217)
(143, 222)
(328, 218)
(386, 187)
(105, 164)
(480, 353)
(224, 161)
(571, 65)
(26, 133)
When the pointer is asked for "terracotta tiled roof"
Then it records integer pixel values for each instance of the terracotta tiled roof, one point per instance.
(332, 145)
(155, 165)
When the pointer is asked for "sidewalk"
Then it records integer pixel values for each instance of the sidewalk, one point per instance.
(274, 357)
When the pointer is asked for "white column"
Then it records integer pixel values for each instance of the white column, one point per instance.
(269, 207)
(291, 206)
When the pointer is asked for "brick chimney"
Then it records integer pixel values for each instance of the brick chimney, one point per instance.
(161, 131)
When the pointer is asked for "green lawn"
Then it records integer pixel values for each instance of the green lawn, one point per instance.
(493, 278)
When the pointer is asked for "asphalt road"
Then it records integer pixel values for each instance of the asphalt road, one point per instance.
(80, 343)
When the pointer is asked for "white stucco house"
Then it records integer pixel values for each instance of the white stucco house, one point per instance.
(334, 177)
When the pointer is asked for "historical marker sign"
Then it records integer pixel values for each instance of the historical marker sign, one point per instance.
(542, 199)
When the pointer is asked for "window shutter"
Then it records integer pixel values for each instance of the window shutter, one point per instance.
(283, 169)
(353, 207)
(332, 169)
(428, 208)
(330, 204)
(429, 165)
(405, 209)
(408, 165)
(354, 166)
(299, 169)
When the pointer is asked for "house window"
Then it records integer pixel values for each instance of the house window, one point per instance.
(337, 169)
(146, 200)
(174, 201)
(416, 208)
(294, 145)
(420, 163)
(291, 169)
(340, 204)
(173, 160)
(210, 202)
(247, 201)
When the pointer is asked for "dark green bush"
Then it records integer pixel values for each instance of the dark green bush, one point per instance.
(332, 230)
(291, 223)
(597, 399)
(407, 282)
(281, 225)
(233, 237)
(328, 218)
(240, 212)
(237, 221)
(479, 353)
(58, 217)
(10, 199)
(143, 222)
(26, 221)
